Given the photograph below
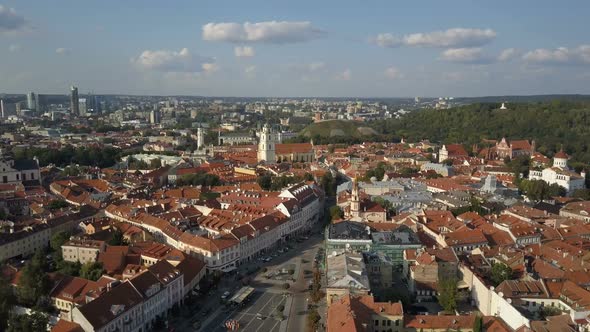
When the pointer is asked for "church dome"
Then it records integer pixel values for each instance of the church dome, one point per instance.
(561, 155)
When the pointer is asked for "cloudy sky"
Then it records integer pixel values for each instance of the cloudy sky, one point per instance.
(296, 48)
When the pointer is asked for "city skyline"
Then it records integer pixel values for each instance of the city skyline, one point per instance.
(296, 49)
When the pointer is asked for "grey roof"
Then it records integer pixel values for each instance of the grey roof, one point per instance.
(26, 165)
(348, 230)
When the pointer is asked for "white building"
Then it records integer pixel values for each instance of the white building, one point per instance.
(267, 145)
(12, 171)
(560, 174)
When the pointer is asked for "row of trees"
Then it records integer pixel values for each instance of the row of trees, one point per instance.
(538, 190)
(275, 183)
(199, 179)
(84, 156)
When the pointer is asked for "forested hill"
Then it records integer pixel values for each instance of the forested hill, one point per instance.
(550, 124)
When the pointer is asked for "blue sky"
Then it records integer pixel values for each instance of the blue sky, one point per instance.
(295, 48)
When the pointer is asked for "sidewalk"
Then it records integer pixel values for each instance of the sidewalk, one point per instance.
(285, 322)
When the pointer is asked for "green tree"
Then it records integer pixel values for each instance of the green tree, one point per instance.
(582, 194)
(448, 162)
(447, 297)
(265, 181)
(57, 204)
(313, 320)
(477, 325)
(28, 323)
(91, 271)
(6, 302)
(155, 163)
(69, 268)
(57, 240)
(117, 239)
(336, 212)
(500, 272)
(34, 282)
(308, 177)
(537, 190)
(328, 184)
(199, 179)
(385, 204)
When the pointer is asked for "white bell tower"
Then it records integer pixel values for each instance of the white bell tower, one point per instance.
(200, 138)
(267, 145)
(355, 204)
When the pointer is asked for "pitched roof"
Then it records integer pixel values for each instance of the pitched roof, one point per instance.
(110, 305)
(66, 326)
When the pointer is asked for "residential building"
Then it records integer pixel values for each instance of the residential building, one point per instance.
(23, 241)
(82, 250)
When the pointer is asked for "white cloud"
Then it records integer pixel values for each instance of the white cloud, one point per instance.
(63, 51)
(451, 38)
(508, 54)
(560, 55)
(386, 40)
(14, 48)
(457, 37)
(244, 51)
(209, 67)
(250, 70)
(265, 32)
(173, 61)
(346, 75)
(393, 73)
(465, 55)
(315, 66)
(10, 21)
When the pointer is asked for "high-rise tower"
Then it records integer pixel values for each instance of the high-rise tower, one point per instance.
(31, 101)
(74, 102)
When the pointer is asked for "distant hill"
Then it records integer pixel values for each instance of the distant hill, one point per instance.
(336, 129)
(551, 124)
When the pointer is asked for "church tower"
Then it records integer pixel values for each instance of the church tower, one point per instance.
(267, 145)
(200, 138)
(355, 202)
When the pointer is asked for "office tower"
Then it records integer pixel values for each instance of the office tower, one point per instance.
(31, 101)
(40, 103)
(83, 106)
(155, 117)
(74, 103)
(7, 109)
(96, 106)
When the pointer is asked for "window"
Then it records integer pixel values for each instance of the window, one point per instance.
(376, 322)
(4, 179)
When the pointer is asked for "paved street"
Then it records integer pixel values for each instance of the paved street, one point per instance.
(262, 304)
(268, 295)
